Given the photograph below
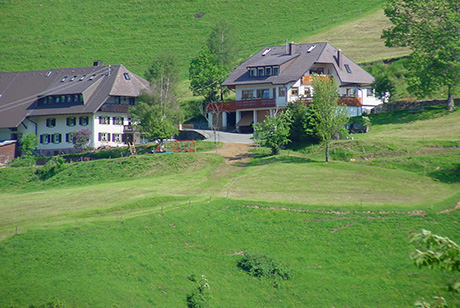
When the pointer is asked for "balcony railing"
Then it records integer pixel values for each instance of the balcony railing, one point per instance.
(344, 100)
(255, 103)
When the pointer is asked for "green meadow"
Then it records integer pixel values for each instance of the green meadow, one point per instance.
(50, 34)
(134, 231)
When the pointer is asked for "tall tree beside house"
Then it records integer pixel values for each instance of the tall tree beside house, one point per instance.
(206, 75)
(432, 30)
(329, 118)
(164, 74)
(274, 131)
(223, 45)
(28, 144)
(158, 112)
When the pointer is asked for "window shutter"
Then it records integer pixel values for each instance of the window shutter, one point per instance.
(108, 136)
(41, 138)
(100, 136)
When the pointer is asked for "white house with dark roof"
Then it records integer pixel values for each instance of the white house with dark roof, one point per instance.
(277, 75)
(53, 104)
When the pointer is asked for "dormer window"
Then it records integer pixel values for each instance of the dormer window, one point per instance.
(268, 71)
(253, 72)
(260, 71)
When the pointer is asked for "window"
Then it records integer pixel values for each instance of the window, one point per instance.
(71, 121)
(370, 92)
(117, 120)
(132, 100)
(69, 98)
(117, 100)
(116, 137)
(294, 91)
(126, 75)
(282, 91)
(247, 94)
(57, 138)
(253, 72)
(307, 92)
(260, 71)
(263, 93)
(320, 70)
(104, 136)
(45, 138)
(50, 122)
(276, 70)
(347, 67)
(69, 137)
(104, 120)
(268, 71)
(83, 121)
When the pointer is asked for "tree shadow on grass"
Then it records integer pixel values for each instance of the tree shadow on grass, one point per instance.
(449, 176)
(261, 160)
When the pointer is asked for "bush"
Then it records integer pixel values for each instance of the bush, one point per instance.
(25, 161)
(51, 168)
(200, 297)
(262, 266)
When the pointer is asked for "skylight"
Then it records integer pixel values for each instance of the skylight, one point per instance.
(47, 74)
(126, 75)
(347, 67)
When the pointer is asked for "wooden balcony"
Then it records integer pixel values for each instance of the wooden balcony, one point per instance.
(256, 103)
(345, 100)
(308, 79)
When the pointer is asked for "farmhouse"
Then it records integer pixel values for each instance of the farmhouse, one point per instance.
(277, 75)
(54, 104)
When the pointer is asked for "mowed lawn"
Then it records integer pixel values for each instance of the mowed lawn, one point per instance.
(337, 259)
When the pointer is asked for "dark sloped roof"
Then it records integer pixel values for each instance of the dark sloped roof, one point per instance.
(19, 91)
(293, 67)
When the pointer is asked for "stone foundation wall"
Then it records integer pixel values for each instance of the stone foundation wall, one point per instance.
(402, 105)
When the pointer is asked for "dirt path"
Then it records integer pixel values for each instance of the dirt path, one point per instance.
(235, 153)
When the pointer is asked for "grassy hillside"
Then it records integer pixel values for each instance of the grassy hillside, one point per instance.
(360, 38)
(132, 231)
(50, 34)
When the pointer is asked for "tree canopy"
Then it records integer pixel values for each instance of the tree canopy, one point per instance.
(206, 75)
(431, 251)
(158, 112)
(329, 118)
(431, 28)
(28, 144)
(274, 131)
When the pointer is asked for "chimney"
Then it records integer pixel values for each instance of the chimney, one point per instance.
(339, 58)
(98, 63)
(291, 48)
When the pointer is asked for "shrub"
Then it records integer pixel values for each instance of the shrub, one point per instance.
(51, 168)
(25, 161)
(262, 266)
(200, 296)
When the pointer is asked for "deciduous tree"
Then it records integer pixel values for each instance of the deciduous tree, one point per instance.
(206, 75)
(436, 251)
(431, 28)
(329, 118)
(28, 144)
(158, 112)
(274, 131)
